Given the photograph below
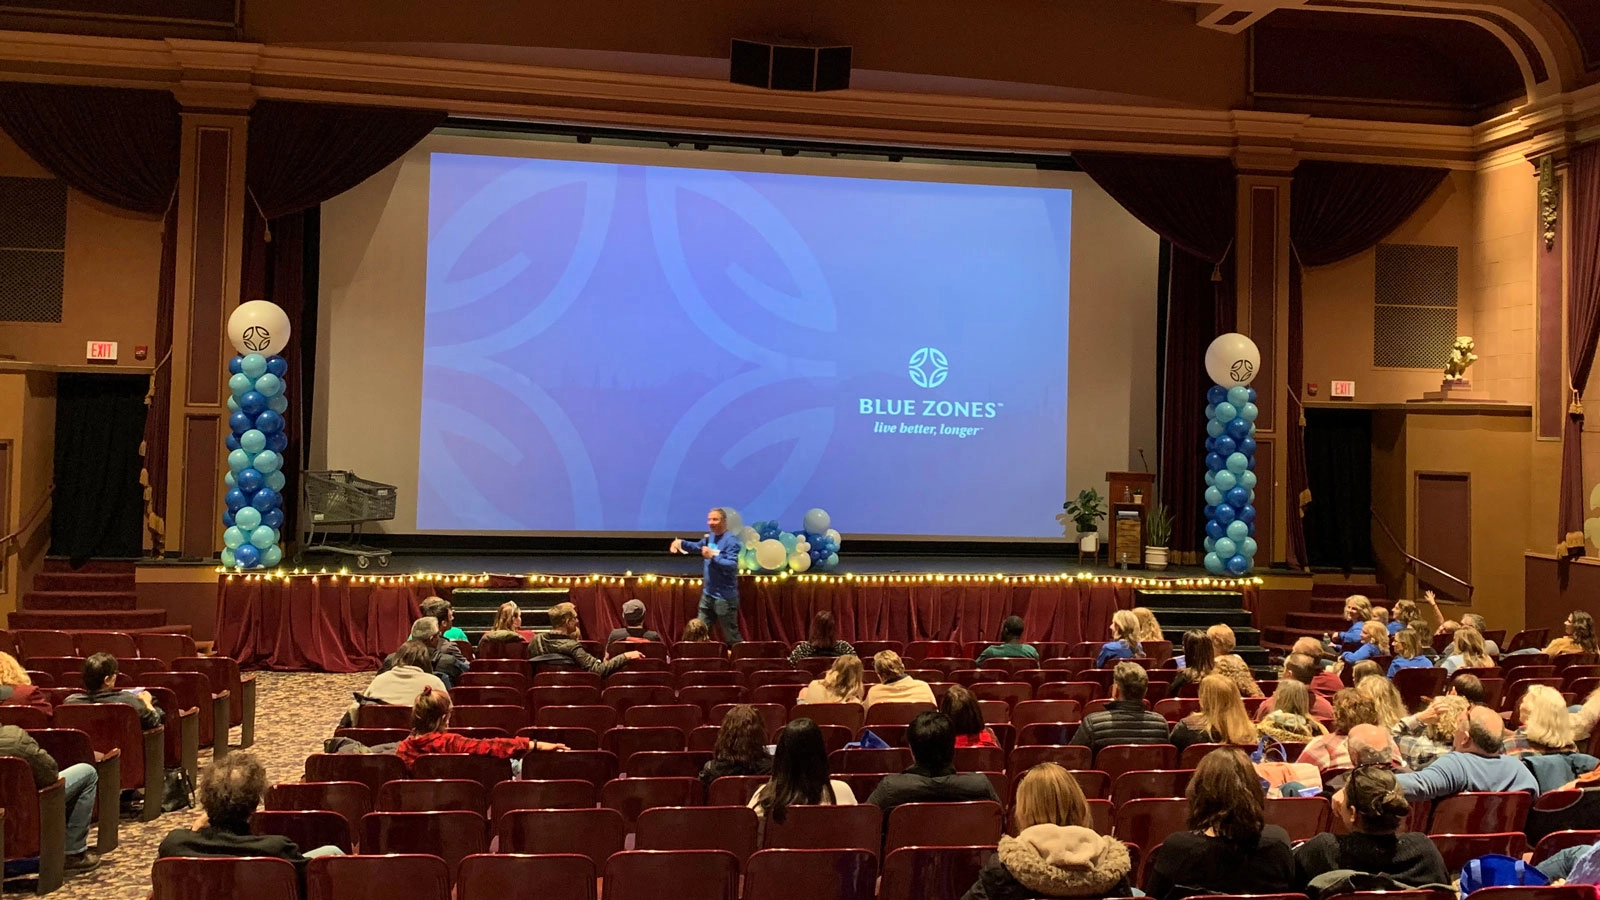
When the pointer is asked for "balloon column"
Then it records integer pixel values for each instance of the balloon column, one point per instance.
(768, 548)
(254, 517)
(1232, 361)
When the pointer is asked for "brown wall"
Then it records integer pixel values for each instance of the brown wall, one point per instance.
(28, 425)
(109, 291)
(187, 593)
(1557, 588)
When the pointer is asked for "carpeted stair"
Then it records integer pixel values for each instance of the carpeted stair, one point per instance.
(1179, 611)
(1326, 615)
(97, 596)
(475, 608)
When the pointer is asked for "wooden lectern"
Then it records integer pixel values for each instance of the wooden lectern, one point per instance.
(1132, 493)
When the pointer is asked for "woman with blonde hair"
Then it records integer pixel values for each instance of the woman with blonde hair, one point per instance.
(1430, 734)
(840, 684)
(1124, 643)
(507, 626)
(1290, 718)
(894, 685)
(1228, 663)
(1470, 651)
(1149, 627)
(1385, 699)
(1056, 852)
(1407, 646)
(1546, 724)
(1407, 615)
(1374, 637)
(17, 689)
(1221, 719)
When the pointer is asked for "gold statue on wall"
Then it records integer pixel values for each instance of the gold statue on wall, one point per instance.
(1461, 356)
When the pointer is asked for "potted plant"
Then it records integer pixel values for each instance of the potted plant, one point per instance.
(1085, 512)
(1158, 533)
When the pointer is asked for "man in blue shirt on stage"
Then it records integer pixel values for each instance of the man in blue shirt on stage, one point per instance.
(719, 598)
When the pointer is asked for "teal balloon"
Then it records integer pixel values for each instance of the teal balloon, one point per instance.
(1237, 462)
(248, 519)
(268, 462)
(1238, 530)
(278, 404)
(1224, 547)
(227, 557)
(1211, 478)
(831, 562)
(229, 480)
(233, 538)
(1225, 481)
(1214, 564)
(253, 365)
(1247, 548)
(1209, 543)
(271, 556)
(1238, 395)
(233, 406)
(1248, 479)
(241, 383)
(252, 442)
(1211, 411)
(1213, 496)
(263, 537)
(1225, 412)
(1248, 412)
(276, 481)
(238, 460)
(1215, 428)
(269, 385)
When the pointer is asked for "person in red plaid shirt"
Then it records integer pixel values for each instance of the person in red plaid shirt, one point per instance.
(430, 718)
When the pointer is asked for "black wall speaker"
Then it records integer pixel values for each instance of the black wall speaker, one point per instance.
(789, 67)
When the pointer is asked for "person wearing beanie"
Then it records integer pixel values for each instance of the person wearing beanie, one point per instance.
(633, 629)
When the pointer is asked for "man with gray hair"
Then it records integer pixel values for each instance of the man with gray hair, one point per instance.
(1473, 620)
(1476, 765)
(448, 663)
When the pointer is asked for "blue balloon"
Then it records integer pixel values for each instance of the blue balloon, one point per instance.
(271, 556)
(254, 365)
(269, 422)
(269, 462)
(1247, 446)
(252, 441)
(1239, 429)
(232, 405)
(269, 385)
(1214, 564)
(263, 537)
(252, 403)
(1250, 461)
(1215, 530)
(1247, 514)
(1215, 461)
(1223, 515)
(1252, 395)
(248, 556)
(1224, 547)
(277, 442)
(1238, 565)
(272, 518)
(227, 518)
(817, 520)
(233, 538)
(1215, 428)
(1211, 445)
(1249, 411)
(240, 383)
(250, 480)
(238, 460)
(1237, 497)
(1208, 513)
(1247, 548)
(235, 500)
(1224, 446)
(227, 558)
(248, 519)
(1225, 480)
(1216, 394)
(276, 481)
(236, 365)
(1225, 411)
(278, 404)
(1239, 395)
(239, 423)
(1238, 531)
(231, 441)
(266, 499)
(1236, 463)
(277, 365)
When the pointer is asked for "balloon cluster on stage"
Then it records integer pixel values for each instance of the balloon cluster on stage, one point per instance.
(1232, 361)
(256, 440)
(769, 549)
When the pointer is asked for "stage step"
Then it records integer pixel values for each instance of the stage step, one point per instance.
(1181, 620)
(1180, 611)
(475, 608)
(41, 601)
(93, 566)
(1159, 600)
(84, 581)
(89, 620)
(1341, 589)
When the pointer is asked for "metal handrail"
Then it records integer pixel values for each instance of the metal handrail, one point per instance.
(1413, 559)
(31, 518)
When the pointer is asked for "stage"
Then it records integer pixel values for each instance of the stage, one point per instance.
(334, 617)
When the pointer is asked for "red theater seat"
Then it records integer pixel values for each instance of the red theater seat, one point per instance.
(838, 874)
(35, 820)
(502, 876)
(370, 769)
(349, 799)
(486, 770)
(441, 794)
(412, 876)
(113, 726)
(225, 676)
(820, 827)
(730, 828)
(931, 873)
(734, 790)
(451, 836)
(253, 878)
(592, 833)
(632, 796)
(943, 824)
(308, 828)
(568, 794)
(692, 874)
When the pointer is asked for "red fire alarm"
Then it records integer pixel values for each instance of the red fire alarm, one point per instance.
(140, 351)
(1311, 389)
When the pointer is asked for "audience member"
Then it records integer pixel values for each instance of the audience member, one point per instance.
(100, 686)
(1473, 620)
(933, 777)
(1221, 719)
(799, 775)
(1407, 644)
(1331, 751)
(1357, 611)
(82, 786)
(507, 627)
(1366, 745)
(1469, 651)
(1056, 852)
(1579, 636)
(1407, 615)
(1364, 669)
(1149, 626)
(1546, 724)
(966, 717)
(1325, 681)
(1229, 848)
(1197, 661)
(1385, 699)
(401, 685)
(562, 641)
(632, 630)
(1300, 667)
(1374, 637)
(1124, 720)
(741, 746)
(441, 610)
(1381, 616)
(1469, 687)
(1290, 717)
(894, 685)
(230, 789)
(1124, 643)
(1011, 645)
(1477, 764)
(822, 641)
(1372, 806)
(695, 632)
(840, 684)
(17, 689)
(1228, 663)
(430, 734)
(1430, 734)
(445, 657)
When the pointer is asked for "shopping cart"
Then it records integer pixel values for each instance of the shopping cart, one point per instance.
(337, 497)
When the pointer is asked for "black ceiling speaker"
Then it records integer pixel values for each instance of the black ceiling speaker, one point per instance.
(789, 67)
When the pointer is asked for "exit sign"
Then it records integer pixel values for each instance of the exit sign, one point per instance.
(1343, 390)
(102, 351)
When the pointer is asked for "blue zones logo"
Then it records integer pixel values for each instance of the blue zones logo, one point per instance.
(929, 368)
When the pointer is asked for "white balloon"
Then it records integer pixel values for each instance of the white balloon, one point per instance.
(834, 535)
(770, 554)
(259, 327)
(732, 521)
(799, 562)
(1233, 359)
(804, 547)
(748, 536)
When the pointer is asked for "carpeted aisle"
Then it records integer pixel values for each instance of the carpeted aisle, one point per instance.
(294, 712)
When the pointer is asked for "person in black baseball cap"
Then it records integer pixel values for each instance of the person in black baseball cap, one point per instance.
(633, 630)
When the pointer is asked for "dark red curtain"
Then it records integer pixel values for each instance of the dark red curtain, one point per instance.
(1336, 210)
(1191, 203)
(1583, 331)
